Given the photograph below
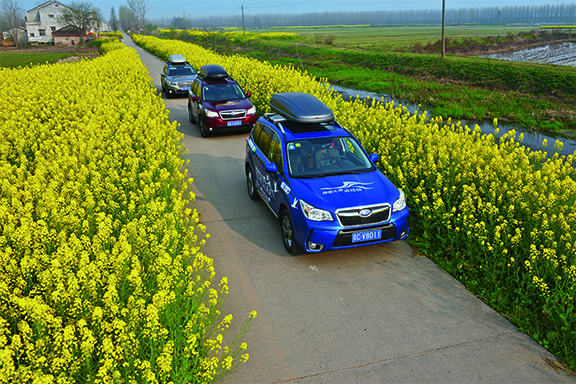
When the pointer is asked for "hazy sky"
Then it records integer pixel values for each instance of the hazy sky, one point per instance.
(200, 8)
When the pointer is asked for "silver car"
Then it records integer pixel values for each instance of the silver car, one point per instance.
(177, 76)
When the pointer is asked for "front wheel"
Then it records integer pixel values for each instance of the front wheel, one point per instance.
(288, 232)
(250, 185)
(203, 131)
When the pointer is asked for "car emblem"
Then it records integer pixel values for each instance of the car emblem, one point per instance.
(365, 212)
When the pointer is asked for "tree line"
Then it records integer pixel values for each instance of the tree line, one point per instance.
(523, 14)
(133, 16)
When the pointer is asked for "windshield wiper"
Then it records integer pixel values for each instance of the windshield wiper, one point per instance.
(324, 174)
(349, 172)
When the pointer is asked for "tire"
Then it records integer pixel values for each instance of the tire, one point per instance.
(288, 233)
(191, 115)
(250, 185)
(203, 131)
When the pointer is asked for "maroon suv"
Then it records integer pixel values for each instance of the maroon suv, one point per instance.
(217, 103)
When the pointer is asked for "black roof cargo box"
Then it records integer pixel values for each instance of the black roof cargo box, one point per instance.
(301, 107)
(213, 71)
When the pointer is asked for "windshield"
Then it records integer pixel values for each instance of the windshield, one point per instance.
(321, 157)
(223, 92)
(181, 70)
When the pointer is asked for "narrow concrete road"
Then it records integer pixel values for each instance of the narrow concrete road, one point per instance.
(377, 314)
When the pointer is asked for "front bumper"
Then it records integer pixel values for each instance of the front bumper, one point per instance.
(175, 90)
(217, 124)
(322, 236)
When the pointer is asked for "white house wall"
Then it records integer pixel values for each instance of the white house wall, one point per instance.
(44, 20)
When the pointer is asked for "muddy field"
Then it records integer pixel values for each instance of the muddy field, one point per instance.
(84, 50)
(559, 54)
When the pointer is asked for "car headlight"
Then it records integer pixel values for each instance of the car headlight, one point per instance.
(173, 83)
(315, 214)
(210, 113)
(251, 111)
(400, 204)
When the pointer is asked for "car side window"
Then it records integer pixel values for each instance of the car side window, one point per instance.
(275, 154)
(256, 133)
(196, 88)
(265, 139)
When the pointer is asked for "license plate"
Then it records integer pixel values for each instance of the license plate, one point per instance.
(366, 236)
(234, 123)
(185, 88)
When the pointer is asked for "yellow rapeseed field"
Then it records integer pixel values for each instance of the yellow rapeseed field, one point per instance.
(101, 275)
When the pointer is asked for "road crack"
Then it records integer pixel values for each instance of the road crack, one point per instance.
(394, 358)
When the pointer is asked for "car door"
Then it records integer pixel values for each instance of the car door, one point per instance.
(195, 104)
(263, 179)
(163, 77)
(275, 156)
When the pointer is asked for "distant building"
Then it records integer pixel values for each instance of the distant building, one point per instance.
(8, 41)
(42, 20)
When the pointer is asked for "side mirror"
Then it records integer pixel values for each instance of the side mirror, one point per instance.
(248, 94)
(271, 167)
(374, 157)
(194, 97)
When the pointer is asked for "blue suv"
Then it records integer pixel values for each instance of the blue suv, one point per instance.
(319, 181)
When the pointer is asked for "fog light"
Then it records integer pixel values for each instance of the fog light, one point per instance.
(403, 234)
(315, 247)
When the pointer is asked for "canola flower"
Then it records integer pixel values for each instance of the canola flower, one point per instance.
(101, 275)
(231, 34)
(500, 216)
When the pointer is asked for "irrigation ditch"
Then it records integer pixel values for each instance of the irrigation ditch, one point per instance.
(556, 54)
(531, 138)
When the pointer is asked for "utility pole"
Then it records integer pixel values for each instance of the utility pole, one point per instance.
(244, 29)
(184, 18)
(443, 27)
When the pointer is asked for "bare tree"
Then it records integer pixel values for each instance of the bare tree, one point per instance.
(139, 9)
(113, 22)
(11, 19)
(82, 15)
(213, 34)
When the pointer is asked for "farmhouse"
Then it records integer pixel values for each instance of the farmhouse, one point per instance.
(43, 20)
(68, 35)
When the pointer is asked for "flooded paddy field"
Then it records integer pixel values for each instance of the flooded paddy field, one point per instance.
(559, 54)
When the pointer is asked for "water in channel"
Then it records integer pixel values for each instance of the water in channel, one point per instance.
(532, 139)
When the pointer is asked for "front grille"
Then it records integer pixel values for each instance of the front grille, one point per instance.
(183, 84)
(235, 114)
(344, 237)
(351, 217)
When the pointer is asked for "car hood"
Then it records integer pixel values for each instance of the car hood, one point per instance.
(342, 191)
(229, 104)
(181, 78)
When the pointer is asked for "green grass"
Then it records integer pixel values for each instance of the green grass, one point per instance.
(388, 38)
(13, 59)
(537, 96)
